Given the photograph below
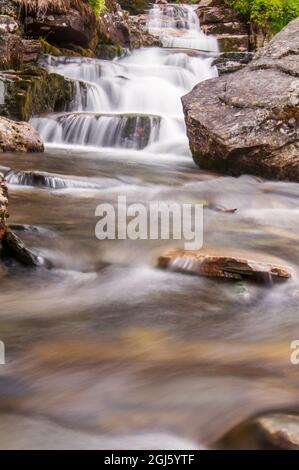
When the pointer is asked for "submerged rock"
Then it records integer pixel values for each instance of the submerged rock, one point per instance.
(229, 267)
(247, 122)
(19, 137)
(134, 131)
(14, 247)
(280, 430)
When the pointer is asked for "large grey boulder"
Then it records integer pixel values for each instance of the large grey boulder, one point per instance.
(247, 122)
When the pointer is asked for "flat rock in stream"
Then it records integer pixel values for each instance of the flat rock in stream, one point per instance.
(248, 121)
(229, 267)
(280, 430)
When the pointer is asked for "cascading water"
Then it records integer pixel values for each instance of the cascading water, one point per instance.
(178, 26)
(104, 350)
(133, 102)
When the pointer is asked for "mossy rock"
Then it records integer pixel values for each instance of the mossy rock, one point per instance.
(34, 91)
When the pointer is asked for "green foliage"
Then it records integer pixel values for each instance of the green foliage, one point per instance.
(271, 15)
(98, 6)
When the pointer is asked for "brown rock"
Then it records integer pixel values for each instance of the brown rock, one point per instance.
(248, 122)
(214, 265)
(117, 28)
(217, 18)
(280, 430)
(32, 51)
(18, 137)
(11, 52)
(61, 23)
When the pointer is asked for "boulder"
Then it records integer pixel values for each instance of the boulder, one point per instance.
(11, 52)
(117, 28)
(34, 91)
(247, 122)
(3, 206)
(61, 23)
(211, 264)
(280, 430)
(18, 137)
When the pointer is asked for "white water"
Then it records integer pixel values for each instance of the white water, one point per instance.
(135, 100)
(179, 26)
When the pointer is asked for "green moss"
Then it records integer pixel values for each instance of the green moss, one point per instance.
(36, 91)
(98, 6)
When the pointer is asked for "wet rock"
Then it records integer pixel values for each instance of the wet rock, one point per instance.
(229, 62)
(18, 137)
(134, 131)
(3, 206)
(280, 430)
(34, 91)
(117, 28)
(229, 267)
(240, 124)
(11, 52)
(13, 247)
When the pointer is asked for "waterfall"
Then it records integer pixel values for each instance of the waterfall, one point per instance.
(133, 102)
(178, 26)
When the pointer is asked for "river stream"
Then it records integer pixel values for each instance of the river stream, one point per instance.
(104, 350)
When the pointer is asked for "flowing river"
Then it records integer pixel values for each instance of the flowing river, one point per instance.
(104, 350)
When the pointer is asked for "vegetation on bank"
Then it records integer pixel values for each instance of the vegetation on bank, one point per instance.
(98, 6)
(58, 6)
(271, 15)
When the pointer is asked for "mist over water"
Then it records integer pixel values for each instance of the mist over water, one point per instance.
(104, 350)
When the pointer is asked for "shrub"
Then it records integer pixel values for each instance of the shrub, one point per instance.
(97, 5)
(271, 15)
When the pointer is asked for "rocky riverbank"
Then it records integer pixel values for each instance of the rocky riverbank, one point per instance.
(230, 28)
(247, 122)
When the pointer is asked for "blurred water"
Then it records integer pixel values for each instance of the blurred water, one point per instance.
(105, 350)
